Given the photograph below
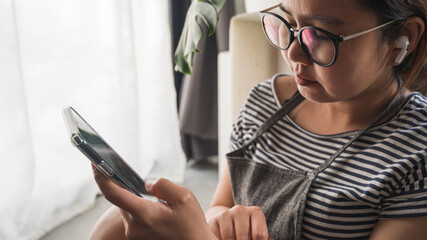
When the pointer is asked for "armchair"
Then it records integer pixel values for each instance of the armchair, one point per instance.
(250, 60)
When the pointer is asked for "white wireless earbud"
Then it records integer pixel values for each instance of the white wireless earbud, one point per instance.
(403, 44)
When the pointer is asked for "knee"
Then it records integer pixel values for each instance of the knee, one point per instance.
(109, 227)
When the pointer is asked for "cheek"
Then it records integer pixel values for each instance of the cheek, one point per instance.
(353, 62)
(340, 80)
(360, 54)
(349, 76)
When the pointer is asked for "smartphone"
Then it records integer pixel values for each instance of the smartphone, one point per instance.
(102, 155)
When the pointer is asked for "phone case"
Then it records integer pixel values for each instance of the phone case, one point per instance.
(112, 165)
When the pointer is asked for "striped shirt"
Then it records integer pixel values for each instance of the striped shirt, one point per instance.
(381, 175)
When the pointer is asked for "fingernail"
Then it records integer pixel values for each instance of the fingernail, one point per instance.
(149, 183)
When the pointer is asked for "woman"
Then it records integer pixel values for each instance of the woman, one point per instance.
(343, 158)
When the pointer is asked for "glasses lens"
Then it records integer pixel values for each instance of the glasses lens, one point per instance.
(277, 32)
(319, 45)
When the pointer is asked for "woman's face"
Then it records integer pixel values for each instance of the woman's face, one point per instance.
(362, 68)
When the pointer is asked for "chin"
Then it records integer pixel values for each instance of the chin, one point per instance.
(316, 95)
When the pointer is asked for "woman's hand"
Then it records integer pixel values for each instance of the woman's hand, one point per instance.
(180, 218)
(240, 222)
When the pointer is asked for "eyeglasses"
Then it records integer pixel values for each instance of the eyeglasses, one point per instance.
(320, 45)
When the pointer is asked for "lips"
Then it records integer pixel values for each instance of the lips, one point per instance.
(302, 81)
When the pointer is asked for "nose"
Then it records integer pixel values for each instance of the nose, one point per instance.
(296, 54)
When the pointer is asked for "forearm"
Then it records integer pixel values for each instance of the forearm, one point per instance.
(400, 229)
(223, 198)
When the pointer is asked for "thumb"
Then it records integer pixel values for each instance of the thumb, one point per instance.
(172, 193)
(115, 194)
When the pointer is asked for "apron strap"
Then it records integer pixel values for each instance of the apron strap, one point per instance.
(287, 106)
(296, 99)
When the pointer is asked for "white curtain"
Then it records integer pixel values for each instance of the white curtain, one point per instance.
(110, 60)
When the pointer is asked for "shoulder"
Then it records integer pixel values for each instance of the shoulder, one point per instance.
(418, 100)
(407, 130)
(263, 95)
(262, 102)
(415, 108)
(280, 87)
(403, 146)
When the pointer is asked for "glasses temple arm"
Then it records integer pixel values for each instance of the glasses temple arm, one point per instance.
(366, 31)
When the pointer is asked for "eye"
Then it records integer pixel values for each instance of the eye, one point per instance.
(320, 35)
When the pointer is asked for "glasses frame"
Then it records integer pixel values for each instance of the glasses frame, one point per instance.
(336, 39)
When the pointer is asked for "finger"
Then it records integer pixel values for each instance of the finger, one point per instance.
(226, 225)
(241, 222)
(242, 228)
(116, 194)
(259, 228)
(213, 225)
(173, 194)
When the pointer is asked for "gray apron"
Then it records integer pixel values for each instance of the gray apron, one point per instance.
(280, 193)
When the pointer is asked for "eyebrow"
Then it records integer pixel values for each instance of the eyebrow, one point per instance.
(324, 19)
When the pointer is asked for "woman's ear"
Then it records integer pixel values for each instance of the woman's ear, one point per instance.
(411, 34)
